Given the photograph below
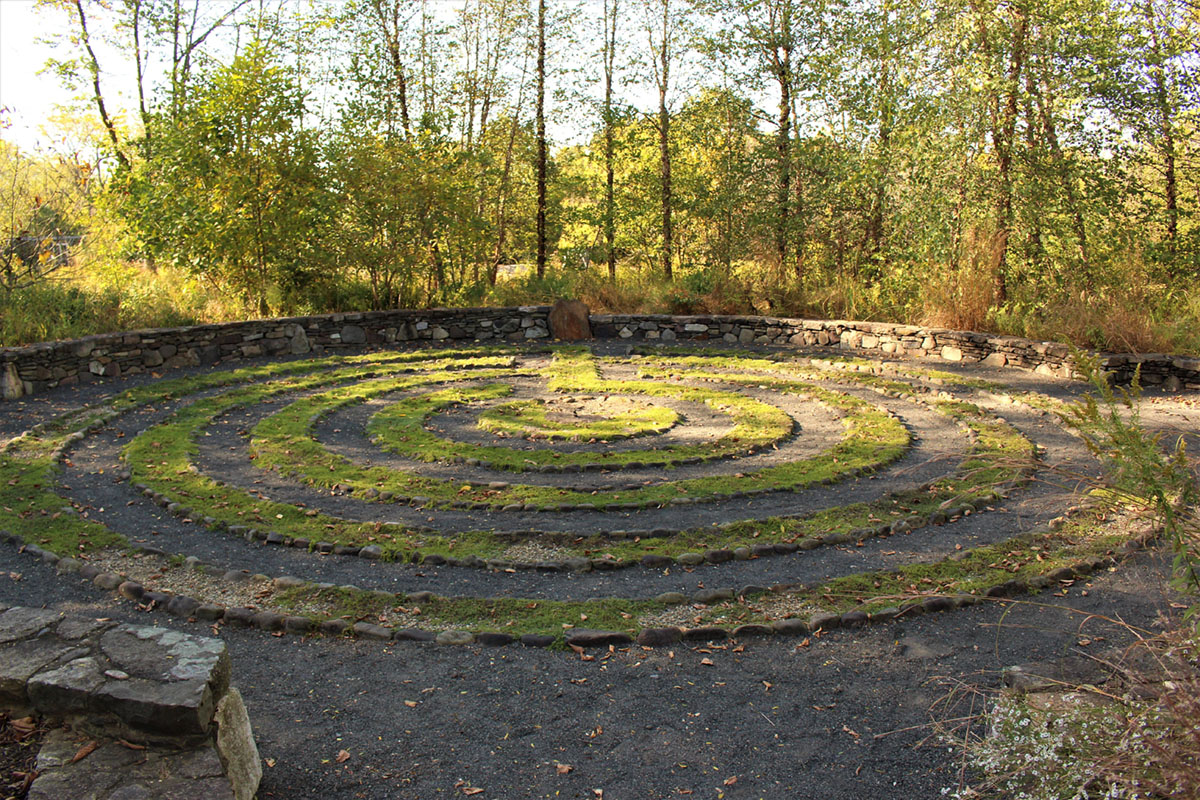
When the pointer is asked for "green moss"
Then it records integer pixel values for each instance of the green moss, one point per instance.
(970, 572)
(531, 419)
(513, 615)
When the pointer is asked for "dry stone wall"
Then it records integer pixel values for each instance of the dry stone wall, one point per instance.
(35, 368)
(1048, 358)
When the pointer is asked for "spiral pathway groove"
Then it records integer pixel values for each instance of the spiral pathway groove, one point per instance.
(586, 495)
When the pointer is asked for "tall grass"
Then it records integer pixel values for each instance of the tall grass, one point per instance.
(1127, 313)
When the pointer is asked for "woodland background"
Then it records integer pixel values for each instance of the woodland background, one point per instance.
(1006, 165)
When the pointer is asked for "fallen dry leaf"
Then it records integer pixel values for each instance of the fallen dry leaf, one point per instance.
(85, 751)
(343, 756)
(730, 781)
(23, 727)
(472, 790)
(562, 769)
(270, 762)
(410, 703)
(708, 662)
(131, 745)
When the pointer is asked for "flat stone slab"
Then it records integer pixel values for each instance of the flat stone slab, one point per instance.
(24, 623)
(133, 681)
(113, 771)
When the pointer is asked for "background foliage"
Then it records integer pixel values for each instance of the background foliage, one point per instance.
(990, 164)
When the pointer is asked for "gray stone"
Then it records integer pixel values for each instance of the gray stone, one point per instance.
(752, 629)
(491, 639)
(22, 623)
(853, 618)
(791, 627)
(658, 637)
(236, 747)
(691, 559)
(455, 637)
(288, 582)
(161, 654)
(299, 343)
(334, 627)
(710, 596)
(108, 581)
(61, 691)
(824, 621)
(209, 612)
(705, 634)
(353, 334)
(268, 621)
(21, 661)
(115, 772)
(537, 640)
(239, 616)
(885, 614)
(182, 606)
(671, 598)
(75, 627)
(583, 637)
(365, 630)
(155, 708)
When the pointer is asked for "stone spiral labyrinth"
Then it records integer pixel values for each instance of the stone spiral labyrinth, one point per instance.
(556, 495)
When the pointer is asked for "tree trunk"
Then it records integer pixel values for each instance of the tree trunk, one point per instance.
(389, 23)
(1166, 131)
(878, 224)
(783, 189)
(664, 140)
(541, 141)
(1004, 123)
(1045, 103)
(94, 68)
(610, 226)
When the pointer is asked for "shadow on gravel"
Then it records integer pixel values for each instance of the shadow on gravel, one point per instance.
(836, 717)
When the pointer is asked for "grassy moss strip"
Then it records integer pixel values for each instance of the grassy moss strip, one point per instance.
(530, 419)
(1024, 559)
(512, 615)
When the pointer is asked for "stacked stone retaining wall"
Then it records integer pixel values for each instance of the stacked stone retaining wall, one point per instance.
(35, 368)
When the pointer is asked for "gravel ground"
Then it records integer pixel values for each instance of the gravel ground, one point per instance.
(841, 720)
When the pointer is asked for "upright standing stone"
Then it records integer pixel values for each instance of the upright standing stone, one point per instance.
(569, 320)
(11, 387)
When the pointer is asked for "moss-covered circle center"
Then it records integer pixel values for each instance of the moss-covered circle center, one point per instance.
(578, 418)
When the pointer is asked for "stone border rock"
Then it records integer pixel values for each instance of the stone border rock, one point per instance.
(156, 691)
(36, 368)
